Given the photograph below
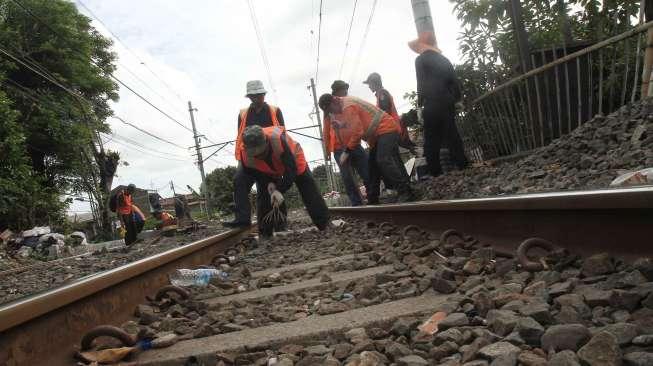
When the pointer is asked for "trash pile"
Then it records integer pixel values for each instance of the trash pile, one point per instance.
(591, 157)
(43, 244)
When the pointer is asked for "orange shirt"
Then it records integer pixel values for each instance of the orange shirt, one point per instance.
(363, 121)
(125, 207)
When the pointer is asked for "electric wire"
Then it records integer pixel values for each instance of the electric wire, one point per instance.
(97, 18)
(362, 46)
(147, 132)
(344, 54)
(319, 39)
(261, 45)
(38, 19)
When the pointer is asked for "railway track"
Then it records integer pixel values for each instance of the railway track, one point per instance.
(308, 287)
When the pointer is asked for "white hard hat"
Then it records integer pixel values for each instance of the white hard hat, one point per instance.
(255, 87)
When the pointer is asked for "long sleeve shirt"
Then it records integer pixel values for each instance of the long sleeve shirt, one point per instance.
(290, 168)
(436, 80)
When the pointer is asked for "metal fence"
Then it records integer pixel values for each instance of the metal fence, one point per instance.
(569, 89)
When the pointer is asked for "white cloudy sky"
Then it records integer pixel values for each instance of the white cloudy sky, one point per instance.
(206, 50)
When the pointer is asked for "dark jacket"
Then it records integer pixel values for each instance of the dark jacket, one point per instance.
(437, 83)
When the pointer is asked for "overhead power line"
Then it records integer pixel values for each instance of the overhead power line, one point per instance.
(261, 45)
(137, 143)
(362, 46)
(129, 146)
(41, 21)
(319, 40)
(344, 54)
(97, 18)
(148, 133)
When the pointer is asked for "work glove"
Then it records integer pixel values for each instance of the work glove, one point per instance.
(276, 198)
(343, 158)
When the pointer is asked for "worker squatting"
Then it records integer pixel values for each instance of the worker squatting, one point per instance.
(272, 160)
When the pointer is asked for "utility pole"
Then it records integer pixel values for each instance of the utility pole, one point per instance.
(200, 161)
(422, 15)
(325, 153)
(172, 187)
(520, 35)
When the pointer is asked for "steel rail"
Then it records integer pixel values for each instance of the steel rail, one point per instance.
(617, 221)
(43, 328)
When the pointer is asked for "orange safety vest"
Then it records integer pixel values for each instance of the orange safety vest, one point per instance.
(125, 208)
(275, 136)
(393, 109)
(340, 132)
(167, 219)
(243, 125)
(375, 122)
(404, 137)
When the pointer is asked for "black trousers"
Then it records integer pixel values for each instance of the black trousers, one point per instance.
(311, 197)
(440, 128)
(385, 163)
(243, 183)
(132, 227)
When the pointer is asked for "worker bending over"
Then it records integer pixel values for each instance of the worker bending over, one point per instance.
(259, 113)
(276, 162)
(164, 219)
(381, 132)
(336, 143)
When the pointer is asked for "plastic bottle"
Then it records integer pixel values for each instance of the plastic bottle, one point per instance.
(195, 277)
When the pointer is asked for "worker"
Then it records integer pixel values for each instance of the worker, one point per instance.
(386, 103)
(259, 113)
(276, 162)
(381, 132)
(438, 92)
(165, 219)
(339, 88)
(335, 142)
(131, 217)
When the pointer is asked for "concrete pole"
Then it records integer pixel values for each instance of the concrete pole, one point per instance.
(200, 161)
(648, 55)
(325, 153)
(422, 15)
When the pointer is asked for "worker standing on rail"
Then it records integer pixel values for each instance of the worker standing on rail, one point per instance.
(259, 113)
(381, 132)
(276, 162)
(336, 143)
(438, 92)
(386, 103)
(131, 217)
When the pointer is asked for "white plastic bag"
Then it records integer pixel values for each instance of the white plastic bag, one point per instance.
(638, 178)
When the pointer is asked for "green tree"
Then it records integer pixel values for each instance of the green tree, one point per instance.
(52, 43)
(220, 185)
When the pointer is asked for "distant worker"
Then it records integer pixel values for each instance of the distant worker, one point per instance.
(381, 132)
(259, 113)
(165, 219)
(131, 217)
(276, 162)
(339, 88)
(438, 92)
(385, 101)
(336, 140)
